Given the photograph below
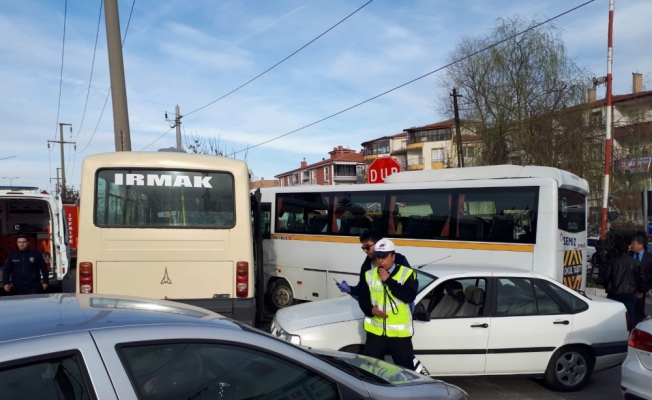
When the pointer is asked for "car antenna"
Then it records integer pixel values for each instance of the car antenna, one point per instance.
(431, 262)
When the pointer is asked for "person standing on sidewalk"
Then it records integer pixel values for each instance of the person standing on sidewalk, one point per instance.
(25, 267)
(640, 253)
(623, 280)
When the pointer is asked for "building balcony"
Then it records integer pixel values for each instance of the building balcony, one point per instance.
(415, 163)
(639, 129)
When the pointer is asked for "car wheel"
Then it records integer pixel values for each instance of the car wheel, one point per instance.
(281, 295)
(569, 369)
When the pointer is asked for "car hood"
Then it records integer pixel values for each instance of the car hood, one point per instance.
(316, 313)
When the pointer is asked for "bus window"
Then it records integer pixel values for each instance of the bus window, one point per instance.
(506, 215)
(149, 198)
(357, 213)
(572, 211)
(423, 214)
(301, 213)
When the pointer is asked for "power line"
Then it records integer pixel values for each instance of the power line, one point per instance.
(159, 138)
(282, 61)
(63, 47)
(88, 92)
(416, 79)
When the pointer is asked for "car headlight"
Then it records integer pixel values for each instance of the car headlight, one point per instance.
(281, 334)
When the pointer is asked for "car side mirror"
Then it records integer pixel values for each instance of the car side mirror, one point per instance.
(421, 315)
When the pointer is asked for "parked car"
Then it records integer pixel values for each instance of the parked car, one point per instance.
(70, 346)
(636, 380)
(473, 320)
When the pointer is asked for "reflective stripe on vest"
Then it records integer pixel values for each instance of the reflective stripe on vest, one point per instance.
(399, 320)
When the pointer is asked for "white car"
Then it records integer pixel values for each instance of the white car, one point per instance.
(483, 321)
(636, 380)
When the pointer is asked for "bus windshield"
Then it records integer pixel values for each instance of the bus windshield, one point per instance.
(164, 198)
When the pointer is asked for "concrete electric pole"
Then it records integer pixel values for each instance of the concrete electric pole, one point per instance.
(117, 73)
(63, 160)
(177, 124)
(460, 156)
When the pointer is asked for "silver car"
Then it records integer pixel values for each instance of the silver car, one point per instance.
(67, 346)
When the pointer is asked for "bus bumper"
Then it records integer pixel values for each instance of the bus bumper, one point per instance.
(242, 310)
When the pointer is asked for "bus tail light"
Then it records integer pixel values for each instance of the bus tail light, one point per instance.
(242, 279)
(86, 277)
(640, 340)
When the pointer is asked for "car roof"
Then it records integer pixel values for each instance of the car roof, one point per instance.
(443, 270)
(47, 314)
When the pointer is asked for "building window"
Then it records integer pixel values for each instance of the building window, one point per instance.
(467, 152)
(437, 155)
(377, 147)
(345, 170)
(295, 179)
(432, 135)
(305, 177)
(596, 118)
(326, 174)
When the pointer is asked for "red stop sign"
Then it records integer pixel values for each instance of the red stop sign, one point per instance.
(381, 168)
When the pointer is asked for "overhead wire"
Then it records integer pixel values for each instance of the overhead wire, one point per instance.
(124, 38)
(63, 48)
(90, 80)
(280, 62)
(267, 70)
(416, 79)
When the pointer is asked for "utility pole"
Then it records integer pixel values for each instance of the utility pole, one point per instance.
(57, 188)
(176, 124)
(63, 160)
(117, 74)
(458, 131)
(607, 155)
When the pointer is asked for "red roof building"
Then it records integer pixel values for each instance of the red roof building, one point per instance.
(343, 167)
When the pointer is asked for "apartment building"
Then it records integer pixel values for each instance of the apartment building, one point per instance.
(434, 146)
(344, 166)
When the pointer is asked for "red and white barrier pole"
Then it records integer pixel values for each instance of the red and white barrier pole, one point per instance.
(607, 158)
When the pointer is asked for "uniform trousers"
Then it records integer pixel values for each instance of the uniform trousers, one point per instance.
(400, 348)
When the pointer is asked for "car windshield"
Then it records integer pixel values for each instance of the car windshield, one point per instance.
(372, 370)
(424, 280)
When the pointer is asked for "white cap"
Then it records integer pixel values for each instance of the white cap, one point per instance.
(383, 247)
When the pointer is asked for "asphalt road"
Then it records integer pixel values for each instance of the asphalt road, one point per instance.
(603, 385)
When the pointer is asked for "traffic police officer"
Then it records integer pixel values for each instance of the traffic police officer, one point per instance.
(385, 297)
(24, 267)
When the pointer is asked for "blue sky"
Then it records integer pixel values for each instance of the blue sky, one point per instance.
(192, 52)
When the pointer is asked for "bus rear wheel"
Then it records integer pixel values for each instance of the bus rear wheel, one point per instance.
(281, 295)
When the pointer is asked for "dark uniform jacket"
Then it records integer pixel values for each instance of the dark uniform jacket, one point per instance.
(646, 266)
(366, 266)
(25, 269)
(624, 274)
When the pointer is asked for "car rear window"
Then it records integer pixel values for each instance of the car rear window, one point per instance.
(573, 302)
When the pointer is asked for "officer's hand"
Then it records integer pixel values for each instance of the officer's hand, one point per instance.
(382, 272)
(376, 311)
(45, 286)
(639, 295)
(7, 288)
(344, 287)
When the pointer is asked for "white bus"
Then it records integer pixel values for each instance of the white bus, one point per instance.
(531, 218)
(168, 225)
(40, 216)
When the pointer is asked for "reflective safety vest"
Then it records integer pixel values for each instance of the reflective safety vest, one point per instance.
(399, 320)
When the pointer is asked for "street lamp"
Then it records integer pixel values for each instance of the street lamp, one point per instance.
(11, 180)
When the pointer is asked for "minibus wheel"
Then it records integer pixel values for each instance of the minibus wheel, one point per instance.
(281, 294)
